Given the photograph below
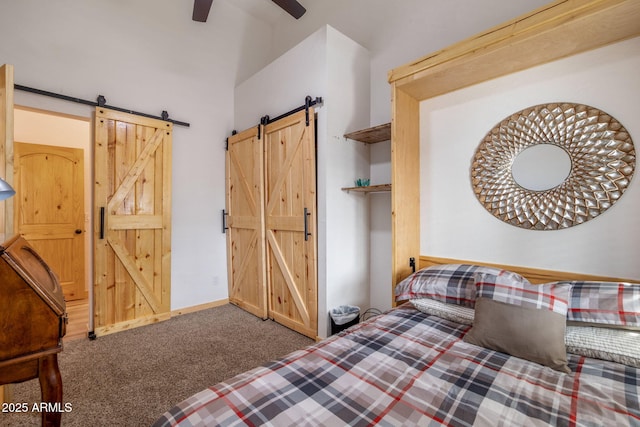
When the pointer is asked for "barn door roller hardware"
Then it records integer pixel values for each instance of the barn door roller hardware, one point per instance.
(234, 132)
(308, 103)
(265, 120)
(100, 102)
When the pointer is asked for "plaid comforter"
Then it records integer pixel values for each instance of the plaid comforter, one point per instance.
(408, 368)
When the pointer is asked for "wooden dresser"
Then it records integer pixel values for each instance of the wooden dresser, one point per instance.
(32, 323)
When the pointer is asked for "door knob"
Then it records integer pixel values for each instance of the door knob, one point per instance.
(78, 231)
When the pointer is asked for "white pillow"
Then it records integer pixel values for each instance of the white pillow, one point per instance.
(454, 312)
(616, 345)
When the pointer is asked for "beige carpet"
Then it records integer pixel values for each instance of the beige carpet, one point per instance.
(130, 378)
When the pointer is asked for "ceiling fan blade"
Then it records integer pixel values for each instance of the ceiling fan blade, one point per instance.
(292, 7)
(201, 10)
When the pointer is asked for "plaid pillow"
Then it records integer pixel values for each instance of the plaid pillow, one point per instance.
(513, 289)
(448, 283)
(605, 303)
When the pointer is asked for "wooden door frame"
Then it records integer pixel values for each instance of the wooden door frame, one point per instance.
(6, 166)
(87, 147)
(6, 147)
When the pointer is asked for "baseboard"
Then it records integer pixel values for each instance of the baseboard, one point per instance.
(199, 307)
(130, 324)
(147, 320)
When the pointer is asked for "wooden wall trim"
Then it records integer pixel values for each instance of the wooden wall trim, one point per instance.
(534, 275)
(199, 307)
(6, 146)
(405, 176)
(560, 29)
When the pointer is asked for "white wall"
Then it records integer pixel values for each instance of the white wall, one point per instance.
(454, 224)
(283, 84)
(347, 214)
(397, 32)
(329, 65)
(149, 58)
(380, 228)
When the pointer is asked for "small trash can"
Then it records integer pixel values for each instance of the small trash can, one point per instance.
(343, 316)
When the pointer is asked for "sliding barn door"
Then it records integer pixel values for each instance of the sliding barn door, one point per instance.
(290, 218)
(245, 222)
(133, 221)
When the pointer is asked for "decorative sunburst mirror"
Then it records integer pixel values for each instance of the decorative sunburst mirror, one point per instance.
(553, 166)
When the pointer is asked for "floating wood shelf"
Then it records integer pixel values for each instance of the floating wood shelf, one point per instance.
(370, 188)
(371, 135)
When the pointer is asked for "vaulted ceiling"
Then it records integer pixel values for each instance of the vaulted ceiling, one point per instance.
(373, 23)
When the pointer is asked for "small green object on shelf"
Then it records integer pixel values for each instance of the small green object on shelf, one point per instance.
(360, 182)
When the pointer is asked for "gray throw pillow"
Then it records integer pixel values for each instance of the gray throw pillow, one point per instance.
(524, 320)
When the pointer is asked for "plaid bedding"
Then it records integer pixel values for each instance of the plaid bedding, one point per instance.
(448, 283)
(607, 303)
(410, 368)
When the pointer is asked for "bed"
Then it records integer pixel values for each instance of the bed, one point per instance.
(413, 365)
(468, 344)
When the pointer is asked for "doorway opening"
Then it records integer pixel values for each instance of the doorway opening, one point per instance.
(57, 146)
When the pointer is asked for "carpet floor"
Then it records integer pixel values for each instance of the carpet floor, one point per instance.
(130, 378)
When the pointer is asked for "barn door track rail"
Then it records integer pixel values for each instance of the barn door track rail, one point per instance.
(308, 103)
(101, 102)
(265, 120)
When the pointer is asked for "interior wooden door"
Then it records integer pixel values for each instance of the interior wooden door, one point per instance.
(245, 222)
(133, 221)
(290, 222)
(49, 209)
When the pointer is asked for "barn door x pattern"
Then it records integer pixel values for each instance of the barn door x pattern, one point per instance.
(133, 226)
(271, 237)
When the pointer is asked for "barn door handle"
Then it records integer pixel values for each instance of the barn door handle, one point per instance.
(102, 222)
(306, 225)
(224, 221)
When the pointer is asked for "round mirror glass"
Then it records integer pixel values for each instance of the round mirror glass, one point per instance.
(538, 169)
(541, 167)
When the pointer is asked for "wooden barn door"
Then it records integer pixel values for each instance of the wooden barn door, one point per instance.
(245, 222)
(290, 217)
(133, 221)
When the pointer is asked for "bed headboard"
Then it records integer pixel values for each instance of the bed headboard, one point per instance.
(534, 275)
